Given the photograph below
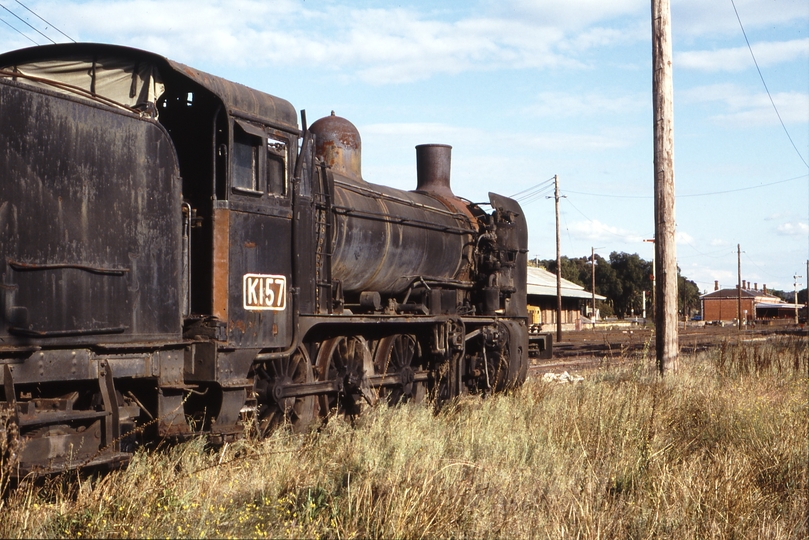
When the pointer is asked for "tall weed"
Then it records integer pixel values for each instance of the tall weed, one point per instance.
(718, 449)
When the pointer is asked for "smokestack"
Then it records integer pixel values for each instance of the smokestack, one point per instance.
(432, 169)
(716, 285)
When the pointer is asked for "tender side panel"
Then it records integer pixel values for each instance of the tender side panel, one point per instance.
(90, 220)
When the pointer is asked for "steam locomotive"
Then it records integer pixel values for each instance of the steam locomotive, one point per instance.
(179, 258)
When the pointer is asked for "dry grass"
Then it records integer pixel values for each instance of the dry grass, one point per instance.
(717, 450)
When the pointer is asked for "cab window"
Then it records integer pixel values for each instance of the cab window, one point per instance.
(276, 168)
(260, 161)
(246, 161)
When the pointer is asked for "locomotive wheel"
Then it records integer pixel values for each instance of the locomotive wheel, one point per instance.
(396, 355)
(347, 360)
(271, 379)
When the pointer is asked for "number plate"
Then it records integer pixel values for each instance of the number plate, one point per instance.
(262, 291)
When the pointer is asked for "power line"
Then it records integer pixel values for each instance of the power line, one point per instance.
(524, 194)
(19, 32)
(746, 256)
(535, 196)
(765, 84)
(692, 194)
(712, 255)
(26, 23)
(600, 225)
(43, 20)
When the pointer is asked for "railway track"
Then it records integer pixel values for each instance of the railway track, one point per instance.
(591, 350)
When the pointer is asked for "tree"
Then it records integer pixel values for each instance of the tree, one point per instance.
(623, 279)
(571, 270)
(783, 295)
(688, 291)
(633, 276)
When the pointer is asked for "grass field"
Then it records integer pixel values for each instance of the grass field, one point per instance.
(718, 449)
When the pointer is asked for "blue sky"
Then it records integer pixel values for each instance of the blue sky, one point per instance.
(524, 90)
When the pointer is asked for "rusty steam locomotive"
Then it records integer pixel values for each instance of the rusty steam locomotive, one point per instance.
(179, 257)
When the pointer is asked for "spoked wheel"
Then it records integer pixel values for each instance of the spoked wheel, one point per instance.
(398, 355)
(272, 378)
(347, 360)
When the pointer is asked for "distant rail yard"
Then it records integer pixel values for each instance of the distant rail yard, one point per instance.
(590, 349)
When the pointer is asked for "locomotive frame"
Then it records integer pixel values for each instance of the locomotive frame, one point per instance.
(179, 258)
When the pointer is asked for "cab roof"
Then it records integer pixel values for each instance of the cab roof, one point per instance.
(237, 98)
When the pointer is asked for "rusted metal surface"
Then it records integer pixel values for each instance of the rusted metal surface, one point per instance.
(178, 285)
(433, 163)
(236, 97)
(85, 229)
(221, 249)
(338, 144)
(384, 238)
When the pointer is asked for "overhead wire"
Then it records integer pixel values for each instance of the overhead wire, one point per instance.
(536, 196)
(746, 256)
(535, 186)
(43, 20)
(738, 18)
(18, 31)
(691, 194)
(26, 23)
(604, 229)
(534, 192)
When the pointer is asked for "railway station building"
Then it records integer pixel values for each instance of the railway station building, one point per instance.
(542, 301)
(756, 305)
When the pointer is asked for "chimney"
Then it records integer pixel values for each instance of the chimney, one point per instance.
(432, 169)
(765, 288)
(744, 284)
(755, 286)
(716, 285)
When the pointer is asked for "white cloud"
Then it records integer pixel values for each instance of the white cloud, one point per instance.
(683, 238)
(745, 109)
(565, 104)
(738, 58)
(701, 18)
(404, 134)
(793, 229)
(704, 276)
(601, 232)
(568, 13)
(380, 46)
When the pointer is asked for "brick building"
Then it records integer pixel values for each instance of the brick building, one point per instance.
(723, 304)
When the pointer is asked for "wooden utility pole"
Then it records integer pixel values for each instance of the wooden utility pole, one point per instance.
(665, 246)
(558, 262)
(739, 286)
(593, 268)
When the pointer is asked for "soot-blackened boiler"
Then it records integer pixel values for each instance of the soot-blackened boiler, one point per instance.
(179, 258)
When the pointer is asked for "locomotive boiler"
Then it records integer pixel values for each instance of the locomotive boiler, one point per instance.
(178, 257)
